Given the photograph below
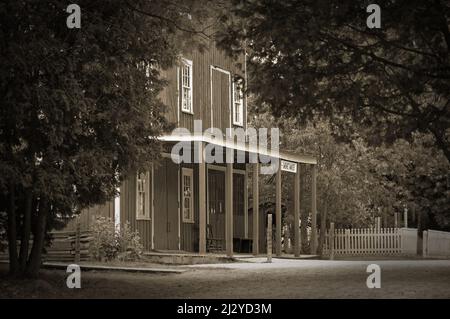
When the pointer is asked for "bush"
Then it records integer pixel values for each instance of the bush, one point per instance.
(129, 243)
(104, 245)
(108, 243)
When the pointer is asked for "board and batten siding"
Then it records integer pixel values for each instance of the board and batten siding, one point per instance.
(203, 84)
(238, 205)
(88, 216)
(128, 211)
(165, 216)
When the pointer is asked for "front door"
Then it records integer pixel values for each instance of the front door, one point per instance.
(216, 210)
(166, 205)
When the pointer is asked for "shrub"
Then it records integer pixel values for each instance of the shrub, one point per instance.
(108, 243)
(104, 245)
(129, 243)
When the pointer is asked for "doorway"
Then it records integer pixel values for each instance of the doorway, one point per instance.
(216, 204)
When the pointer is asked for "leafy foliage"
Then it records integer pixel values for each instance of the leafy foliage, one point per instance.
(104, 245)
(109, 243)
(357, 182)
(130, 246)
(80, 107)
(418, 176)
(344, 189)
(310, 58)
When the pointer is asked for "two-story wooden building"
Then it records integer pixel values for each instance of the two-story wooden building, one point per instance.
(203, 207)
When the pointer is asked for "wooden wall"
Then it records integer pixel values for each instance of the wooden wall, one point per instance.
(201, 65)
(128, 211)
(87, 216)
(165, 209)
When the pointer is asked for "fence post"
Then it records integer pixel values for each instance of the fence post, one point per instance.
(331, 241)
(269, 238)
(77, 241)
(424, 243)
(405, 217)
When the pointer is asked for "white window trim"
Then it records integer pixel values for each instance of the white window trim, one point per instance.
(241, 108)
(146, 215)
(191, 76)
(187, 172)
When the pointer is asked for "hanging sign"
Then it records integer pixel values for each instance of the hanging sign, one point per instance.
(288, 166)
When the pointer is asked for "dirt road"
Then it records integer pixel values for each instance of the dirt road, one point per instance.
(281, 279)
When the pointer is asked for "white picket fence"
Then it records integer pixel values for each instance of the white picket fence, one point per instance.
(372, 241)
(387, 241)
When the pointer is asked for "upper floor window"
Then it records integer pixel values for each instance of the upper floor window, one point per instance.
(186, 86)
(143, 195)
(238, 103)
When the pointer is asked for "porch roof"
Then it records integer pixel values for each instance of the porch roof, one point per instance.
(239, 146)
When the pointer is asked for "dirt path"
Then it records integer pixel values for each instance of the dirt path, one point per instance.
(282, 279)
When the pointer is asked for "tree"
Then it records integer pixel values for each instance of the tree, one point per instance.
(80, 108)
(418, 174)
(356, 182)
(310, 58)
(349, 193)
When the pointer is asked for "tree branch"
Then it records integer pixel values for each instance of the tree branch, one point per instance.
(381, 59)
(170, 21)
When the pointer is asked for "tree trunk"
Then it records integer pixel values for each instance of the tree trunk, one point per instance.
(12, 232)
(323, 227)
(34, 262)
(26, 230)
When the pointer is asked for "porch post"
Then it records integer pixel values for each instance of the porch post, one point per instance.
(314, 211)
(278, 211)
(297, 212)
(229, 209)
(255, 192)
(202, 199)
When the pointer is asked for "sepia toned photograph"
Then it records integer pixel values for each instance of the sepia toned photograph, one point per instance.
(224, 154)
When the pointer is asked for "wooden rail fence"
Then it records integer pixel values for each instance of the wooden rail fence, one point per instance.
(69, 246)
(66, 246)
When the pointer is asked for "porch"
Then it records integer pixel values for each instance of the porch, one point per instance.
(217, 234)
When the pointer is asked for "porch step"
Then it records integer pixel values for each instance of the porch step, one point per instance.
(186, 258)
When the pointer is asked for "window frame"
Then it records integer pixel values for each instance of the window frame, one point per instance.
(188, 63)
(146, 214)
(187, 172)
(239, 103)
